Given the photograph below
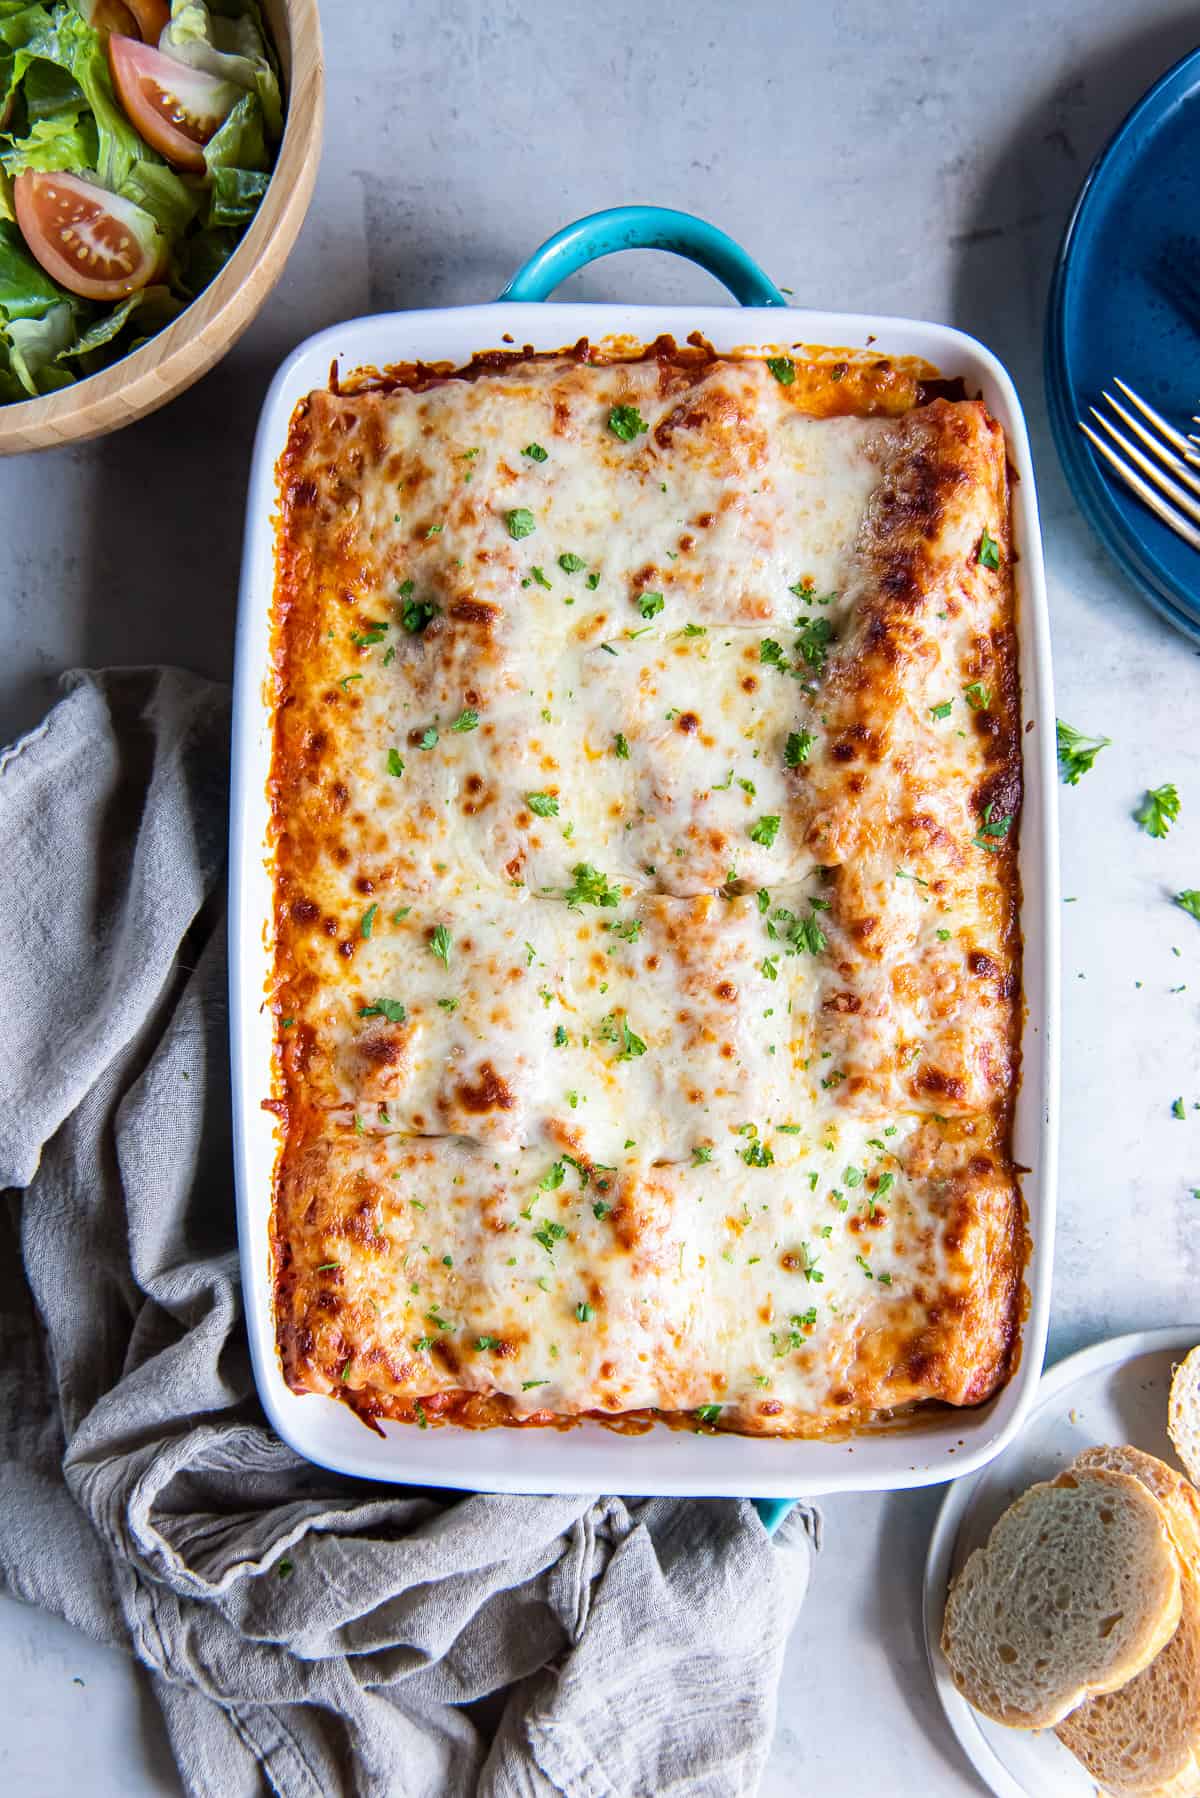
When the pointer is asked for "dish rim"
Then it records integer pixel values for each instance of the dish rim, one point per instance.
(942, 1446)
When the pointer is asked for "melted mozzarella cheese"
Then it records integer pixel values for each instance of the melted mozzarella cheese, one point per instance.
(646, 900)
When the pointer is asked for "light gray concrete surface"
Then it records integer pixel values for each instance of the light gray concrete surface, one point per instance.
(915, 157)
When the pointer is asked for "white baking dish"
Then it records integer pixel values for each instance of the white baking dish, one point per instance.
(589, 1458)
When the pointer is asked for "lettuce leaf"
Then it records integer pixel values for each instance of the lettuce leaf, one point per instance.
(26, 290)
(205, 255)
(155, 306)
(239, 144)
(236, 196)
(34, 345)
(158, 190)
(231, 47)
(63, 143)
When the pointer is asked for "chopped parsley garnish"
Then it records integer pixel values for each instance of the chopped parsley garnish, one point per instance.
(439, 944)
(801, 936)
(1158, 811)
(632, 1045)
(428, 738)
(1189, 901)
(813, 642)
(771, 653)
(977, 696)
(796, 749)
(548, 1235)
(539, 575)
(621, 746)
(626, 422)
(391, 1009)
(942, 710)
(544, 804)
(592, 582)
(770, 967)
(468, 719)
(571, 564)
(417, 613)
(520, 522)
(701, 1153)
(448, 1004)
(783, 368)
(600, 1210)
(553, 1178)
(346, 680)
(528, 1385)
(766, 830)
(990, 829)
(364, 639)
(590, 887)
(884, 1186)
(535, 452)
(650, 604)
(757, 1154)
(584, 1312)
(327, 1267)
(862, 1262)
(368, 921)
(629, 931)
(1076, 753)
(709, 1414)
(943, 936)
(483, 1343)
(395, 763)
(989, 550)
(560, 1036)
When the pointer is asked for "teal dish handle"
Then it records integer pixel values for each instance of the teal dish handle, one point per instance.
(642, 228)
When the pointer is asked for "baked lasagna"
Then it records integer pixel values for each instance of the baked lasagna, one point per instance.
(645, 792)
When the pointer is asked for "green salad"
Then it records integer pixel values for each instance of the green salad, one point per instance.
(136, 142)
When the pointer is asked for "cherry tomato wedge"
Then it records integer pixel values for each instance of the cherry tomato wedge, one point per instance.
(91, 242)
(153, 17)
(176, 108)
(109, 15)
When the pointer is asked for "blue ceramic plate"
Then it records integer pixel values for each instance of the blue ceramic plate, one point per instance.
(1125, 301)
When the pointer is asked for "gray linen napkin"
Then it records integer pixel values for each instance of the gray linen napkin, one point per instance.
(306, 1634)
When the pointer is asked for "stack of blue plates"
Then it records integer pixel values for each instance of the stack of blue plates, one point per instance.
(1126, 301)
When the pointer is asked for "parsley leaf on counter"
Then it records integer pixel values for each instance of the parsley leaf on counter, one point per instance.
(1158, 810)
(1189, 901)
(1177, 1110)
(1076, 753)
(626, 422)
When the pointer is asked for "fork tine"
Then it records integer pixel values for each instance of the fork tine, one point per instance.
(1156, 418)
(1170, 517)
(1174, 492)
(1156, 448)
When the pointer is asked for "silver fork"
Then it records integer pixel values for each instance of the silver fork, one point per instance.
(1168, 467)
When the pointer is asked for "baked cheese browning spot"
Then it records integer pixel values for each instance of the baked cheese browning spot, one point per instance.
(647, 957)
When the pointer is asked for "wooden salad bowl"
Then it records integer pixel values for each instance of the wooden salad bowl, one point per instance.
(188, 347)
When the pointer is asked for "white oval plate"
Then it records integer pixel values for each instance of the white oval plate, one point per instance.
(1115, 1392)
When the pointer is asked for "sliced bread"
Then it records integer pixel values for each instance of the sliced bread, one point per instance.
(1144, 1741)
(1075, 1591)
(1183, 1413)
